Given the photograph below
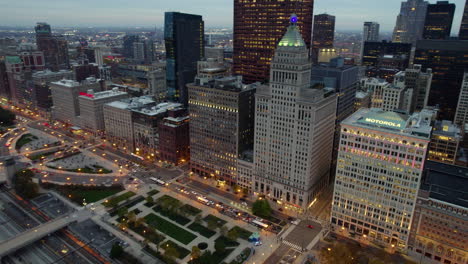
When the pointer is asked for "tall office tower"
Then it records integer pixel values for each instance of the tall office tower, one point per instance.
(439, 18)
(386, 55)
(65, 98)
(371, 32)
(139, 51)
(343, 79)
(294, 127)
(184, 39)
(461, 116)
(221, 125)
(216, 53)
(375, 87)
(258, 26)
(42, 97)
(380, 163)
(157, 84)
(420, 82)
(127, 45)
(447, 59)
(174, 138)
(84, 71)
(324, 31)
(91, 106)
(55, 48)
(410, 22)
(4, 86)
(396, 96)
(149, 51)
(438, 230)
(445, 140)
(99, 55)
(463, 34)
(211, 69)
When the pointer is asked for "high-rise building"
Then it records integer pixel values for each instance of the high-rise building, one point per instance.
(324, 31)
(371, 32)
(461, 116)
(294, 127)
(380, 164)
(4, 85)
(362, 100)
(463, 34)
(174, 139)
(221, 125)
(127, 45)
(55, 48)
(445, 139)
(184, 39)
(157, 84)
(375, 87)
(439, 18)
(386, 55)
(86, 70)
(42, 97)
(396, 96)
(447, 59)
(91, 107)
(139, 51)
(438, 231)
(410, 22)
(258, 26)
(211, 69)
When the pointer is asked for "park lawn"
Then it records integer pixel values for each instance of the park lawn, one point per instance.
(166, 197)
(147, 233)
(39, 156)
(25, 139)
(180, 219)
(193, 211)
(211, 217)
(202, 230)
(115, 200)
(76, 193)
(244, 234)
(170, 229)
(152, 192)
(228, 242)
(183, 252)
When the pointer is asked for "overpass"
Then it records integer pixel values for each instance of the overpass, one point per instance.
(32, 235)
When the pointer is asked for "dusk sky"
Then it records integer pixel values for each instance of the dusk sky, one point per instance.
(350, 13)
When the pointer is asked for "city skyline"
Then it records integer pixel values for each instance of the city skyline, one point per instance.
(349, 15)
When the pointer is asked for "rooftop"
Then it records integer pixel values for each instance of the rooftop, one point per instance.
(133, 103)
(48, 72)
(157, 109)
(417, 125)
(446, 182)
(91, 95)
(361, 94)
(67, 83)
(293, 36)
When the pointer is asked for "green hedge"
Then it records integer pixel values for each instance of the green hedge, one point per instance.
(193, 211)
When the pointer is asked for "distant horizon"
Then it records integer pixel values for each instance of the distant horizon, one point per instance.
(350, 14)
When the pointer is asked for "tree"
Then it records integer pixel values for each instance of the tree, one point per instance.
(233, 234)
(7, 117)
(150, 200)
(198, 219)
(139, 221)
(116, 251)
(220, 246)
(122, 211)
(171, 253)
(212, 224)
(223, 230)
(338, 253)
(123, 225)
(196, 252)
(131, 216)
(261, 208)
(24, 186)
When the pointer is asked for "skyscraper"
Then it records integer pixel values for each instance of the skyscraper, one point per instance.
(388, 55)
(371, 31)
(324, 31)
(294, 127)
(410, 22)
(55, 48)
(380, 164)
(258, 26)
(184, 39)
(461, 116)
(127, 45)
(447, 59)
(463, 34)
(439, 18)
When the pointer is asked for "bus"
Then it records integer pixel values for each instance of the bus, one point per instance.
(136, 156)
(260, 223)
(158, 181)
(203, 200)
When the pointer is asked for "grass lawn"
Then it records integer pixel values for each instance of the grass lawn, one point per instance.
(146, 232)
(211, 217)
(158, 255)
(166, 197)
(25, 139)
(152, 192)
(183, 252)
(202, 230)
(94, 170)
(193, 211)
(77, 193)
(244, 234)
(172, 215)
(39, 156)
(228, 242)
(170, 229)
(114, 201)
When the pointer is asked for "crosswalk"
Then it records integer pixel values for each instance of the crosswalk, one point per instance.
(292, 245)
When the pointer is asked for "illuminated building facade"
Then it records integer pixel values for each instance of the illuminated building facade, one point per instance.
(184, 41)
(258, 26)
(439, 228)
(324, 33)
(55, 48)
(439, 18)
(463, 34)
(294, 128)
(445, 141)
(461, 116)
(448, 60)
(410, 22)
(386, 54)
(174, 139)
(379, 168)
(221, 125)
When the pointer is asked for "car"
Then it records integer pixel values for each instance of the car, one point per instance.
(310, 226)
(242, 199)
(258, 243)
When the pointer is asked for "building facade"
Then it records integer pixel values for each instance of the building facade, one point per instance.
(386, 55)
(380, 164)
(294, 127)
(410, 22)
(258, 26)
(448, 61)
(438, 22)
(461, 115)
(463, 33)
(221, 126)
(445, 140)
(439, 229)
(323, 33)
(42, 96)
(55, 48)
(174, 139)
(184, 40)
(371, 32)
(157, 84)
